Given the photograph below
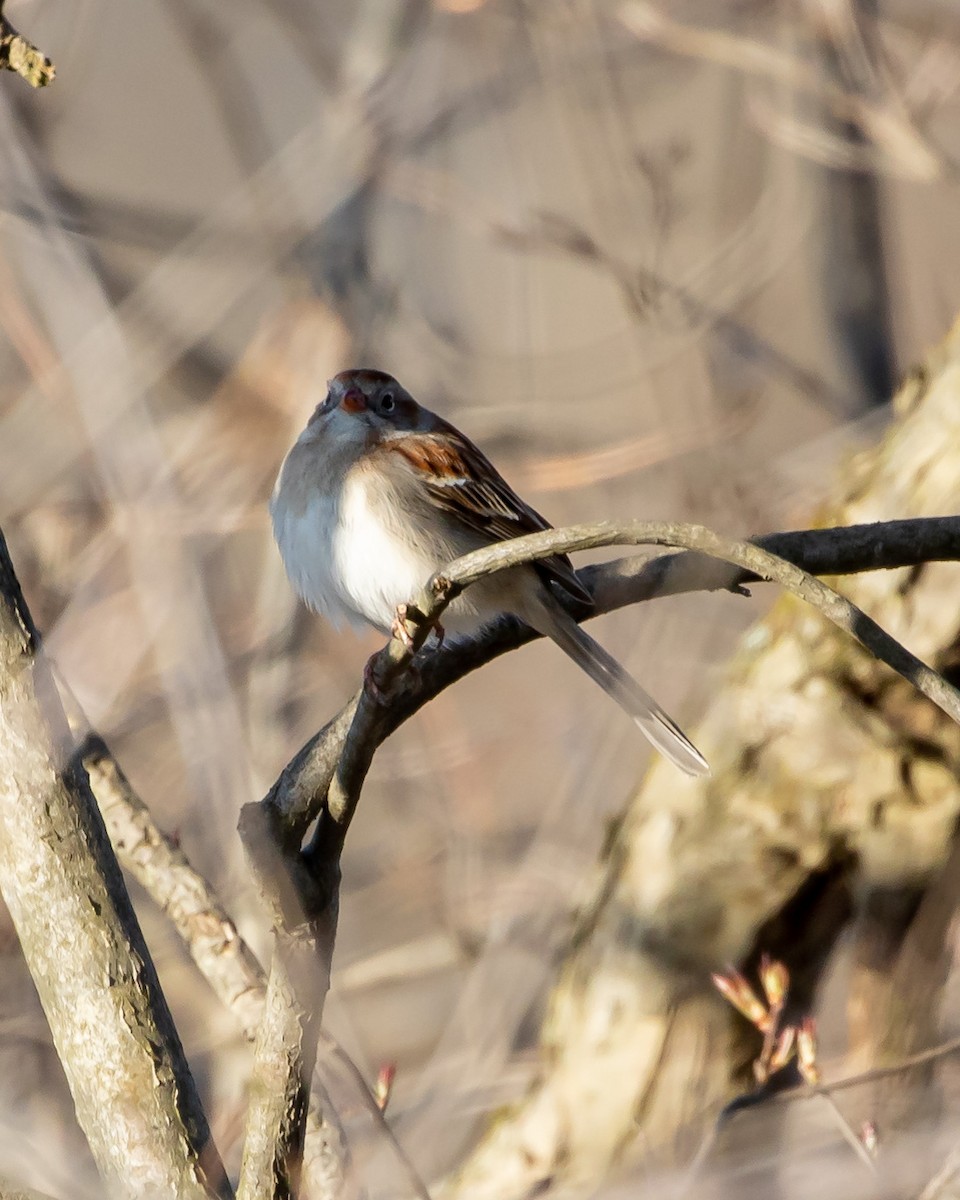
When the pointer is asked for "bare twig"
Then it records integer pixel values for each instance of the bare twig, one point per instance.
(160, 866)
(804, 1091)
(889, 129)
(861, 1079)
(748, 556)
(855, 1144)
(371, 1103)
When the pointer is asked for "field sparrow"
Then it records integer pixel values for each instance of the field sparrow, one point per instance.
(378, 493)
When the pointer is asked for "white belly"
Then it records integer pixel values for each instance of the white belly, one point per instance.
(377, 566)
(350, 556)
(344, 560)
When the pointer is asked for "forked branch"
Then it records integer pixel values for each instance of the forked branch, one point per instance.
(325, 779)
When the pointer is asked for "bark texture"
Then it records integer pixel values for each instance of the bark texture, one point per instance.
(132, 1089)
(832, 779)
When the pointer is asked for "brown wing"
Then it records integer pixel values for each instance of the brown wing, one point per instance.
(462, 479)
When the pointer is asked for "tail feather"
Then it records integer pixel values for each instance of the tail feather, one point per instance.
(659, 729)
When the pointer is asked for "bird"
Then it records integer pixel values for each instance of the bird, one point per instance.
(378, 493)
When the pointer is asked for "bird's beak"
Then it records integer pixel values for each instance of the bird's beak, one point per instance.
(354, 401)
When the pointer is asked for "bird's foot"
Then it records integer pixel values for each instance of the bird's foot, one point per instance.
(399, 628)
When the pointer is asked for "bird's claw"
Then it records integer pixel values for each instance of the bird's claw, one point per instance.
(399, 627)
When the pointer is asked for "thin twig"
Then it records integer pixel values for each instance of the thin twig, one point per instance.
(804, 1091)
(746, 555)
(921, 1058)
(377, 1115)
(904, 147)
(848, 1134)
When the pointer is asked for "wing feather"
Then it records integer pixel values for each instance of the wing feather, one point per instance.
(462, 479)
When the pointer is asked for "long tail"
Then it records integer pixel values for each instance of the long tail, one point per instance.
(604, 669)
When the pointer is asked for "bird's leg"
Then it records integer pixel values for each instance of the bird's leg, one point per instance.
(399, 627)
(399, 630)
(381, 693)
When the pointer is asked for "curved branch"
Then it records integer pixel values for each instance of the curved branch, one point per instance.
(303, 785)
(751, 558)
(327, 775)
(341, 752)
(847, 550)
(372, 723)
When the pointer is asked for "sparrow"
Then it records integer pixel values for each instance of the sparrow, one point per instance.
(378, 493)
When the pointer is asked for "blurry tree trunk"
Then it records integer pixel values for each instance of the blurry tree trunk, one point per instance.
(831, 777)
(134, 1095)
(853, 257)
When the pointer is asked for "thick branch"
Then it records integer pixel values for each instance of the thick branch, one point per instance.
(305, 920)
(207, 929)
(284, 1060)
(134, 1095)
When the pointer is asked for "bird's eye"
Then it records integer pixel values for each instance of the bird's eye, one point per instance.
(388, 402)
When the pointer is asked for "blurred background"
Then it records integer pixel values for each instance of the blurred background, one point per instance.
(658, 261)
